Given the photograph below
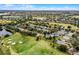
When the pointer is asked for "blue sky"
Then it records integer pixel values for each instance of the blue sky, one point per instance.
(39, 6)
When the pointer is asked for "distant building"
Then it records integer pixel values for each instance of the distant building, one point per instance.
(39, 18)
(13, 17)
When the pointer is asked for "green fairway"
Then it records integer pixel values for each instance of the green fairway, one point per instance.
(7, 21)
(76, 16)
(29, 45)
(65, 25)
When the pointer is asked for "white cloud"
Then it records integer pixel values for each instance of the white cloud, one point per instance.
(32, 7)
(64, 8)
(8, 5)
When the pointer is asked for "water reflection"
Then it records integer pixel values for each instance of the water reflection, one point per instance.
(4, 32)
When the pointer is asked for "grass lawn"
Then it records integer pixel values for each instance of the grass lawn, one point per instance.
(6, 21)
(29, 46)
(65, 25)
(75, 16)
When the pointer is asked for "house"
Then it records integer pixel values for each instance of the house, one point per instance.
(62, 32)
(77, 30)
(54, 34)
(12, 17)
(61, 42)
(39, 18)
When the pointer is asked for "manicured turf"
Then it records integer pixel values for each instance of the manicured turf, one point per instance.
(76, 16)
(29, 45)
(6, 21)
(65, 25)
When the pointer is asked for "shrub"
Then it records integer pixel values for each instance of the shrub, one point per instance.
(62, 48)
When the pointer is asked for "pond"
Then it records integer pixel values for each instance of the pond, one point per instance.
(4, 32)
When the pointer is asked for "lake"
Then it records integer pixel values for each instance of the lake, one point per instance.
(4, 32)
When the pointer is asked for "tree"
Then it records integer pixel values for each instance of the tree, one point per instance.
(30, 17)
(38, 37)
(69, 28)
(75, 41)
(78, 24)
(63, 48)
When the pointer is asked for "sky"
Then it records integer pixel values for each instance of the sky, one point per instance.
(39, 6)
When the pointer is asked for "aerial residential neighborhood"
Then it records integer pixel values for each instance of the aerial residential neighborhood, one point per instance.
(39, 32)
